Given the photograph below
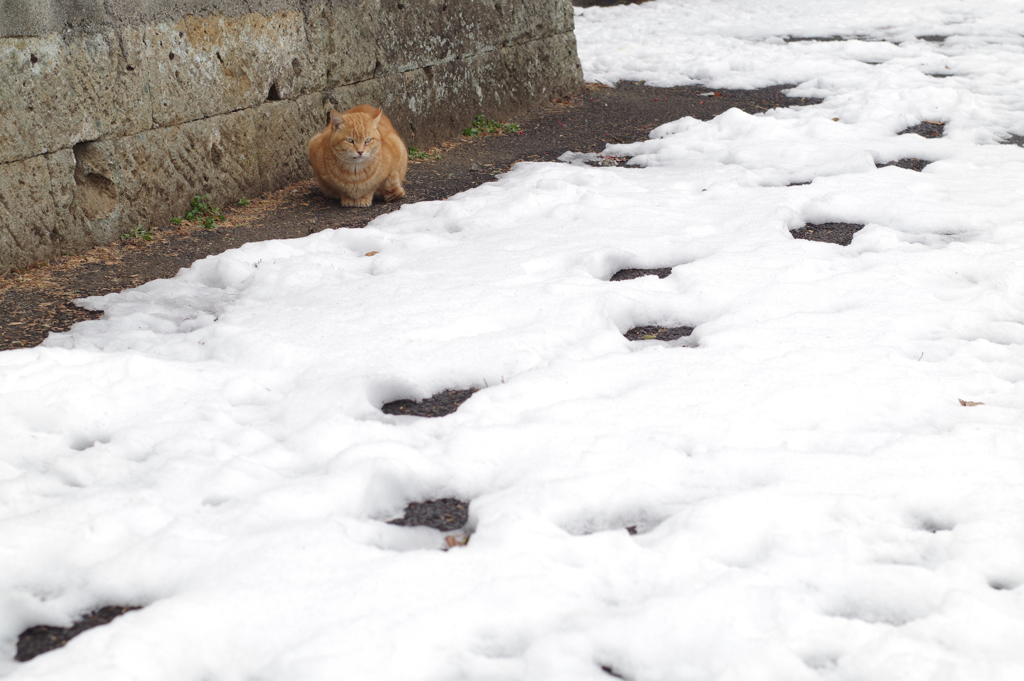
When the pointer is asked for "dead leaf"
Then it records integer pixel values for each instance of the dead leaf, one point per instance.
(966, 403)
(453, 540)
(372, 253)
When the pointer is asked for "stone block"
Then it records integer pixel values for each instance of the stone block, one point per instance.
(531, 20)
(39, 217)
(156, 173)
(62, 90)
(512, 79)
(350, 40)
(128, 12)
(344, 98)
(434, 103)
(19, 18)
(27, 212)
(98, 203)
(24, 18)
(202, 66)
(411, 35)
(283, 131)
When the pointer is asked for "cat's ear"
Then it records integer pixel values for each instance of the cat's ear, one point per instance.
(376, 119)
(336, 120)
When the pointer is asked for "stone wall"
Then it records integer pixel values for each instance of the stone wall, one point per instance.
(115, 113)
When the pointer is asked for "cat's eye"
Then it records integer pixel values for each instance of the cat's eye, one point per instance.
(368, 140)
(349, 140)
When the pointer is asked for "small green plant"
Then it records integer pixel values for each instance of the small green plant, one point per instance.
(138, 233)
(243, 202)
(417, 155)
(202, 208)
(484, 126)
(203, 212)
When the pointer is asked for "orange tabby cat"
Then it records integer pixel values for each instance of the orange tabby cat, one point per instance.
(359, 156)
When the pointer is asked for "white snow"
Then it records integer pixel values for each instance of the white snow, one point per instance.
(812, 499)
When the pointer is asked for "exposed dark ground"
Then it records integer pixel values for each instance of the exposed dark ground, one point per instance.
(831, 232)
(446, 515)
(38, 640)
(37, 301)
(915, 164)
(658, 333)
(926, 129)
(441, 404)
(624, 275)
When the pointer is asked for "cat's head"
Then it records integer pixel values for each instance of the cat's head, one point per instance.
(354, 136)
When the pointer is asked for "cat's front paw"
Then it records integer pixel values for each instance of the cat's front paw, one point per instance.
(363, 202)
(394, 194)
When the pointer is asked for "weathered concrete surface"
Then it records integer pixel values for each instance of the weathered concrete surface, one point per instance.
(117, 115)
(429, 103)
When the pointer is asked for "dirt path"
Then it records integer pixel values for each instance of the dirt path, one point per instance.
(37, 301)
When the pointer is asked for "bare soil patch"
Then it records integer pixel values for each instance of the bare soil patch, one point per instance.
(661, 333)
(914, 164)
(624, 275)
(38, 640)
(441, 404)
(930, 129)
(829, 232)
(446, 515)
